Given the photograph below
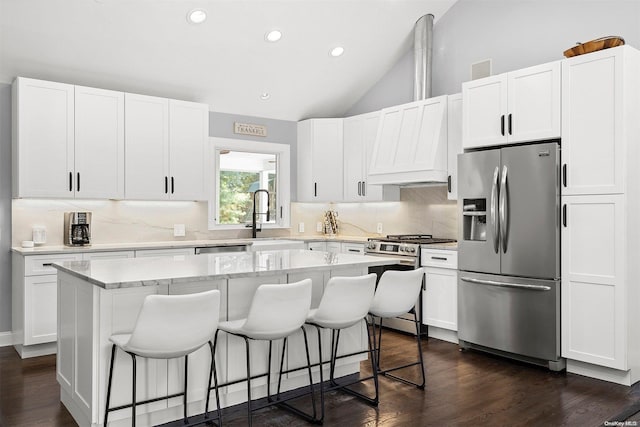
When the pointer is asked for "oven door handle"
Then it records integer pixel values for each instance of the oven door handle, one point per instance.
(506, 284)
(411, 262)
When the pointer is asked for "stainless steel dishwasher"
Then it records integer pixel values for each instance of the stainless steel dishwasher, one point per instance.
(221, 249)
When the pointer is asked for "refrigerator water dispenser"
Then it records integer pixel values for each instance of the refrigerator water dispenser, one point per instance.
(474, 219)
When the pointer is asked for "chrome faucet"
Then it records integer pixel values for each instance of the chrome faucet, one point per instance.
(255, 214)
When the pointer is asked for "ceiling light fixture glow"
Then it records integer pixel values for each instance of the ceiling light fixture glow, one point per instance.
(197, 16)
(336, 51)
(265, 95)
(273, 36)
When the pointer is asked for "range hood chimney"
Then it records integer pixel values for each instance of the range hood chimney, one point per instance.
(422, 55)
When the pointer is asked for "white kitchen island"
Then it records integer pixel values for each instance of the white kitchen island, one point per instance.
(99, 298)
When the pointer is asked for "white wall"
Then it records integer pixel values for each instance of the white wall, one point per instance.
(512, 33)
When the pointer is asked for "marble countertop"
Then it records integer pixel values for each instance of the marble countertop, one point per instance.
(105, 247)
(134, 272)
(57, 249)
(446, 246)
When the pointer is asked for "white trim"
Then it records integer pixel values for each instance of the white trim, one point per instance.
(283, 171)
(6, 338)
(599, 372)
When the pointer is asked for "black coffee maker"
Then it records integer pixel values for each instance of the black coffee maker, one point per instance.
(77, 228)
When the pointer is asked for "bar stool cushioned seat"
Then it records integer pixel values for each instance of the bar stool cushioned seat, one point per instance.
(167, 327)
(276, 311)
(396, 294)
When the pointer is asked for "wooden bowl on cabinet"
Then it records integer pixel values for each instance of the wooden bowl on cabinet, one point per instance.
(594, 45)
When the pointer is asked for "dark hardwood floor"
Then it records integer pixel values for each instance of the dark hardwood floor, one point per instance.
(463, 388)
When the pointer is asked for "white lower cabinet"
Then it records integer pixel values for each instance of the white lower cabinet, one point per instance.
(353, 248)
(34, 298)
(594, 289)
(440, 297)
(317, 246)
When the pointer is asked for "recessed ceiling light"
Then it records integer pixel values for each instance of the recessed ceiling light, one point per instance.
(336, 51)
(273, 36)
(265, 95)
(197, 16)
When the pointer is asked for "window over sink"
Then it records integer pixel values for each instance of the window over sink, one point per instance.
(240, 169)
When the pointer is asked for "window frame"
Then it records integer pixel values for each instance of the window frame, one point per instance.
(283, 173)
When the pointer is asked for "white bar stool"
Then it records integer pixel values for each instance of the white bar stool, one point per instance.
(276, 312)
(345, 302)
(396, 294)
(168, 327)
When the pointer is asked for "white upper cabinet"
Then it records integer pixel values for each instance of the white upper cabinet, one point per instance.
(43, 138)
(359, 137)
(320, 168)
(147, 147)
(99, 143)
(594, 102)
(188, 153)
(166, 145)
(513, 107)
(454, 143)
(411, 144)
(68, 141)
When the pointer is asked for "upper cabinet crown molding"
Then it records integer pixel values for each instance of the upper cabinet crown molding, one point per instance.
(518, 106)
(411, 144)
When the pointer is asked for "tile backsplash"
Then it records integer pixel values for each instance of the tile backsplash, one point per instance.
(420, 210)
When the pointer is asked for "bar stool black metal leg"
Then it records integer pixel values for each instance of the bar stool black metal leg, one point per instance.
(213, 372)
(284, 349)
(421, 358)
(321, 376)
(374, 365)
(379, 343)
(106, 411)
(313, 398)
(269, 373)
(246, 340)
(133, 394)
(186, 376)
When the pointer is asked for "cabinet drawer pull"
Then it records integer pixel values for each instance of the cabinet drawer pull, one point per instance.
(439, 258)
(47, 264)
(354, 250)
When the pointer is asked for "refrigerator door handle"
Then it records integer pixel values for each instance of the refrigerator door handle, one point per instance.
(494, 209)
(506, 284)
(504, 214)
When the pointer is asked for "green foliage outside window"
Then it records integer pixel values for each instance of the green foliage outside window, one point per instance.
(235, 196)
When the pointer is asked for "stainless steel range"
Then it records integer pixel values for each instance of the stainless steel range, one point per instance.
(406, 248)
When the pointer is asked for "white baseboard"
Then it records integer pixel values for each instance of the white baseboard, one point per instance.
(6, 338)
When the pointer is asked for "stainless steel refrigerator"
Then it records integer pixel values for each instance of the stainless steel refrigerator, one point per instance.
(509, 252)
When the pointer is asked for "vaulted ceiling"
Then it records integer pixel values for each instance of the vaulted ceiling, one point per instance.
(149, 47)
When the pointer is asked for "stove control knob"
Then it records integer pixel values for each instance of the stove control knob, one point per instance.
(403, 249)
(412, 250)
(371, 245)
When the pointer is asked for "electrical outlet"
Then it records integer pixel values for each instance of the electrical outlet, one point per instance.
(301, 227)
(178, 230)
(379, 228)
(319, 227)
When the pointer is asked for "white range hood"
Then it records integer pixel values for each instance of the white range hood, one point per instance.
(411, 144)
